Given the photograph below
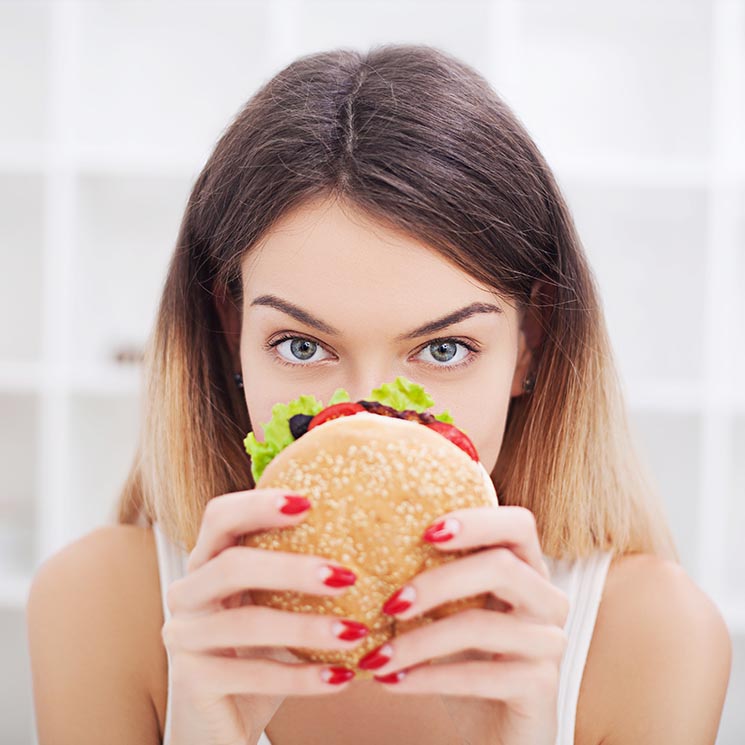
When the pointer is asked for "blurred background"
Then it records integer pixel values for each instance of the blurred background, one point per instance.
(110, 109)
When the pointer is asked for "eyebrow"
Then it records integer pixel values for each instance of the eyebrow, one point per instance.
(272, 301)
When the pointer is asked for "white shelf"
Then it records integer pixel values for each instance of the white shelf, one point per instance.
(21, 377)
(32, 157)
(106, 380)
(669, 395)
(33, 377)
(734, 616)
(14, 590)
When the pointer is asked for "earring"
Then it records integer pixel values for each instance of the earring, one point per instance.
(529, 383)
(238, 379)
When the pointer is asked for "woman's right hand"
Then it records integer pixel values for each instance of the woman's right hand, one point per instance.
(226, 684)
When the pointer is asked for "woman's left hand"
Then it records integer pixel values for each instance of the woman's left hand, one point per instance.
(509, 694)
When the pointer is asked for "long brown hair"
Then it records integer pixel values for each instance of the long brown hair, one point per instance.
(420, 141)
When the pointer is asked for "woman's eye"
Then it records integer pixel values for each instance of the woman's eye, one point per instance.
(445, 353)
(295, 350)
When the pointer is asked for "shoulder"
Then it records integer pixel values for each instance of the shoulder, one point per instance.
(111, 566)
(662, 655)
(106, 564)
(93, 624)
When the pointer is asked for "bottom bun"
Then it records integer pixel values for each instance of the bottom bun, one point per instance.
(375, 484)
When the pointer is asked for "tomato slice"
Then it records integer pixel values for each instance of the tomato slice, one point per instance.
(456, 436)
(346, 408)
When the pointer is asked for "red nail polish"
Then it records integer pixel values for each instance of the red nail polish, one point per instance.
(294, 504)
(350, 630)
(377, 658)
(439, 532)
(337, 576)
(396, 677)
(400, 601)
(336, 675)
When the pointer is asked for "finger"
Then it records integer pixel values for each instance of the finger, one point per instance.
(240, 568)
(497, 571)
(477, 629)
(507, 525)
(222, 676)
(253, 626)
(532, 683)
(229, 516)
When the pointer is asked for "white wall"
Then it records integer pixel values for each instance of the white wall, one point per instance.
(107, 115)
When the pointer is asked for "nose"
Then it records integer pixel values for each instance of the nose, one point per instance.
(361, 388)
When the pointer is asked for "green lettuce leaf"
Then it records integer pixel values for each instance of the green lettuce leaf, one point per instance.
(339, 397)
(277, 435)
(445, 417)
(401, 395)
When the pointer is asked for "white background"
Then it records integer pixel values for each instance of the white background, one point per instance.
(108, 110)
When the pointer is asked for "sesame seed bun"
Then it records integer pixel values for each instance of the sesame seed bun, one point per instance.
(375, 483)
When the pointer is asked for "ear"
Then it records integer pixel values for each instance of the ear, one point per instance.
(531, 334)
(230, 321)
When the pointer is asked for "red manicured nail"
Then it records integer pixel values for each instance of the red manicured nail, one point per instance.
(377, 658)
(350, 630)
(336, 675)
(400, 601)
(293, 504)
(443, 530)
(396, 677)
(337, 576)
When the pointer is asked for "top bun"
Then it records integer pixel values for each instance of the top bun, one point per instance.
(375, 483)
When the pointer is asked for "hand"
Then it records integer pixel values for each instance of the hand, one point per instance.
(509, 694)
(227, 682)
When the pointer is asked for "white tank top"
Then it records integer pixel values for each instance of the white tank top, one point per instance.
(581, 579)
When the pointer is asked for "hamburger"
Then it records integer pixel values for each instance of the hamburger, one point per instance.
(377, 472)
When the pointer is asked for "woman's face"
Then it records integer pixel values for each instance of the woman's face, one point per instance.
(372, 292)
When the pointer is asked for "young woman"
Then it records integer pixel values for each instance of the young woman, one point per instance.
(368, 216)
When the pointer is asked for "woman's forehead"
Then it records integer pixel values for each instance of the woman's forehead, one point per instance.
(323, 247)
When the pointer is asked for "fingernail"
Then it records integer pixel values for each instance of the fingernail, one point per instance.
(400, 601)
(337, 576)
(442, 530)
(377, 658)
(396, 677)
(350, 630)
(336, 675)
(291, 504)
